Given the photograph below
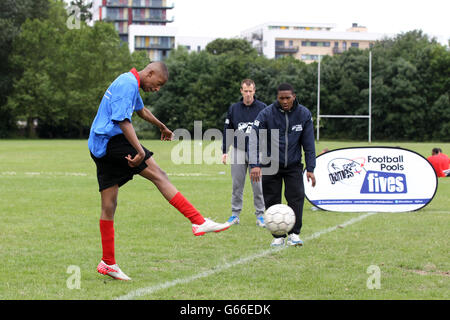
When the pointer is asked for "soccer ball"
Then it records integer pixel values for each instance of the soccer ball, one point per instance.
(279, 219)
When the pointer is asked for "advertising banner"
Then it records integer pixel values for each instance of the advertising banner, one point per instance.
(371, 179)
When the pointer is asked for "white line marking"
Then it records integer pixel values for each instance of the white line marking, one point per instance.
(9, 173)
(187, 174)
(219, 268)
(13, 173)
(342, 225)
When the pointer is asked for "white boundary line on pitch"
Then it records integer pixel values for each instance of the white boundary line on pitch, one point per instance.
(53, 174)
(42, 173)
(168, 284)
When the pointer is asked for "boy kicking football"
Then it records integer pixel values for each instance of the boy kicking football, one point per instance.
(119, 156)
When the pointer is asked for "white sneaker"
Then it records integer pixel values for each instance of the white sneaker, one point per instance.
(209, 226)
(294, 240)
(112, 271)
(277, 242)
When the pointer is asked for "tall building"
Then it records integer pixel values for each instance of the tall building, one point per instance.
(157, 41)
(307, 41)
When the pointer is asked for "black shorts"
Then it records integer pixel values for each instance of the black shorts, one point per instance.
(113, 168)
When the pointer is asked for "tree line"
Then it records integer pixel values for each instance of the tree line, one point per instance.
(53, 77)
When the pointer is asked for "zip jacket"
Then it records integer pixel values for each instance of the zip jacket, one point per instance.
(296, 131)
(240, 120)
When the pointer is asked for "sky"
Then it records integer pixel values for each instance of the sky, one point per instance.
(228, 18)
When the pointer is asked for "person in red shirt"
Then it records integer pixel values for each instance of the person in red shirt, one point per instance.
(445, 163)
(436, 161)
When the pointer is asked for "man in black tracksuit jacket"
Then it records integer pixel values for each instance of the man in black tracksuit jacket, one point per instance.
(296, 131)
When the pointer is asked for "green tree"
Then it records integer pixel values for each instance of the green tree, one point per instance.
(13, 14)
(230, 46)
(411, 73)
(440, 112)
(36, 55)
(65, 73)
(344, 91)
(201, 87)
(93, 58)
(60, 75)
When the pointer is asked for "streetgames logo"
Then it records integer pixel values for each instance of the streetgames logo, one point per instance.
(346, 171)
(245, 126)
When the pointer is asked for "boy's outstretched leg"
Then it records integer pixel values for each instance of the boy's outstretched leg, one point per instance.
(200, 225)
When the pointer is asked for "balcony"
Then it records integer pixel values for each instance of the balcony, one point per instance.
(149, 42)
(152, 4)
(156, 5)
(155, 46)
(117, 3)
(152, 19)
(115, 18)
(284, 49)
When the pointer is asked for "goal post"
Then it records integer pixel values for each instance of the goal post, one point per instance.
(368, 116)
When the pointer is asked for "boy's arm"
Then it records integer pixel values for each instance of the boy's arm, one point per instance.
(148, 116)
(129, 133)
(307, 141)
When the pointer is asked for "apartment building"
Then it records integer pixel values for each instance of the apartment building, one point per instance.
(157, 41)
(307, 41)
(162, 40)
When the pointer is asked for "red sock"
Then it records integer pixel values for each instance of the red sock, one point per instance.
(187, 209)
(107, 233)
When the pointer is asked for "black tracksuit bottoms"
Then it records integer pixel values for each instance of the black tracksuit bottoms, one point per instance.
(294, 192)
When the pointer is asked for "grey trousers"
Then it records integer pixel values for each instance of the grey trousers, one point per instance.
(239, 171)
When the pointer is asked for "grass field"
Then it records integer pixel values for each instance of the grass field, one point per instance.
(49, 216)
